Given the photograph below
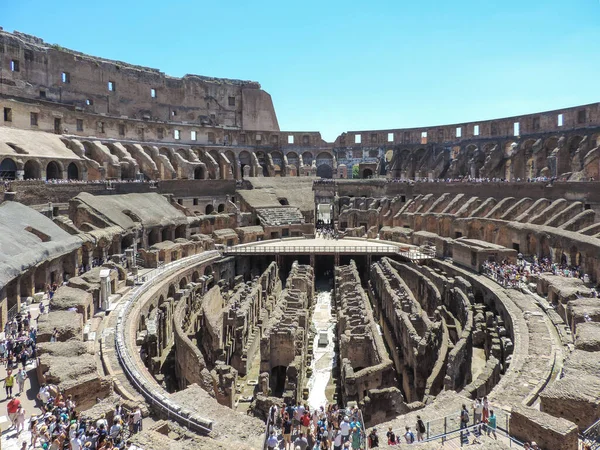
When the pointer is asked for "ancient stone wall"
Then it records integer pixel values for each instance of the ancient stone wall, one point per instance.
(283, 346)
(406, 327)
(365, 364)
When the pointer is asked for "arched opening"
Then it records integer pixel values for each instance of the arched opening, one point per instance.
(126, 242)
(221, 207)
(73, 172)
(154, 237)
(307, 158)
(575, 257)
(183, 283)
(278, 375)
(209, 209)
(32, 170)
(195, 276)
(325, 171)
(563, 259)
(262, 161)
(171, 292)
(245, 161)
(208, 271)
(53, 171)
(367, 173)
(8, 169)
(165, 234)
(180, 232)
(199, 173)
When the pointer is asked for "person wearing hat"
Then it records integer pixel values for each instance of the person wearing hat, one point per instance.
(345, 429)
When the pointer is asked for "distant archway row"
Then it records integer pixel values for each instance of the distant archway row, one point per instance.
(32, 170)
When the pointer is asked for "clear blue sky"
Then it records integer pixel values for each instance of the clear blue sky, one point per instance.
(335, 66)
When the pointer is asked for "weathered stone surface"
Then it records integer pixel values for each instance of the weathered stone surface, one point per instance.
(68, 324)
(528, 424)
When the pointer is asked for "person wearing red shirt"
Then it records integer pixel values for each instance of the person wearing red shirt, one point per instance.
(11, 408)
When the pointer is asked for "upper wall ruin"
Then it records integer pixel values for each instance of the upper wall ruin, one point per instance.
(48, 72)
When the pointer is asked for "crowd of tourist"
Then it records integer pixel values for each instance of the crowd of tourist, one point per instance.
(58, 425)
(470, 179)
(326, 230)
(299, 428)
(512, 275)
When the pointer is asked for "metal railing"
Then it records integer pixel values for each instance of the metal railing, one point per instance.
(328, 250)
(591, 435)
(145, 385)
(436, 428)
(12, 312)
(479, 428)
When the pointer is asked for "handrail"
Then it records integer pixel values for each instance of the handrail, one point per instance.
(152, 394)
(380, 249)
(444, 437)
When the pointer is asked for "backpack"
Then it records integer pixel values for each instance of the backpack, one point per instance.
(464, 416)
(411, 437)
(420, 426)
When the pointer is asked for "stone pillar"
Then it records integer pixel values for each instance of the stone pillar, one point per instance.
(105, 290)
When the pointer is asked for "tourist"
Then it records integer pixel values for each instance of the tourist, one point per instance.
(464, 420)
(137, 420)
(345, 429)
(420, 429)
(337, 439)
(12, 408)
(287, 431)
(356, 439)
(9, 382)
(409, 436)
(391, 436)
(477, 412)
(491, 425)
(373, 439)
(20, 419)
(305, 423)
(272, 442)
(21, 376)
(301, 442)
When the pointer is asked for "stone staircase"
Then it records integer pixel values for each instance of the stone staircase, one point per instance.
(279, 216)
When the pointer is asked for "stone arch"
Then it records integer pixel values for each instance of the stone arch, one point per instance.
(53, 171)
(573, 143)
(8, 169)
(32, 170)
(307, 158)
(545, 251)
(292, 158)
(234, 165)
(209, 209)
(263, 162)
(183, 283)
(574, 256)
(180, 232)
(325, 171)
(170, 292)
(195, 276)
(72, 171)
(367, 173)
(154, 236)
(277, 158)
(221, 207)
(199, 173)
(208, 271)
(245, 160)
